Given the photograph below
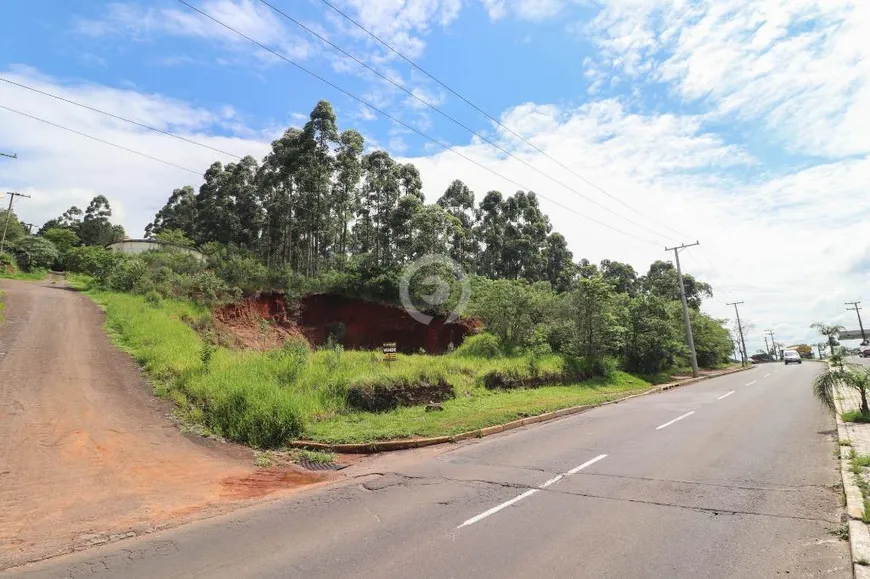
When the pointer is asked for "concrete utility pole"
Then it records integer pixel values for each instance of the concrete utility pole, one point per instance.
(12, 196)
(766, 346)
(857, 310)
(689, 338)
(772, 344)
(739, 328)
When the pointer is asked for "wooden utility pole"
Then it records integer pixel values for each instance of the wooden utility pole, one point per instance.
(740, 328)
(689, 338)
(857, 310)
(12, 196)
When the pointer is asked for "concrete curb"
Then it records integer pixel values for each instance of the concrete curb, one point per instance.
(391, 445)
(859, 535)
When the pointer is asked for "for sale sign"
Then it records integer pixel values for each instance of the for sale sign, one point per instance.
(389, 351)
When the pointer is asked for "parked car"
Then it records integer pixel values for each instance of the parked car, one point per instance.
(865, 353)
(790, 356)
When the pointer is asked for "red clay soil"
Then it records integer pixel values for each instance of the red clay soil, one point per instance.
(352, 322)
(87, 453)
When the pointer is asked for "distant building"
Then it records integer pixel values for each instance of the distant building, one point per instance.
(134, 246)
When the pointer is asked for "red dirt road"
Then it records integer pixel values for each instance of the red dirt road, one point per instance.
(87, 453)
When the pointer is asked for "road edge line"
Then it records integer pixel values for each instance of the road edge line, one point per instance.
(394, 445)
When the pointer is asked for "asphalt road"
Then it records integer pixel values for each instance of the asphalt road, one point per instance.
(732, 477)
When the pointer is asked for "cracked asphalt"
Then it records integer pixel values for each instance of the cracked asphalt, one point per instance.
(746, 486)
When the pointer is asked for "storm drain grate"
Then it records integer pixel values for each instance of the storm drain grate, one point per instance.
(306, 464)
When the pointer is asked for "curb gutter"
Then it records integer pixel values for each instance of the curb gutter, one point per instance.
(859, 535)
(391, 445)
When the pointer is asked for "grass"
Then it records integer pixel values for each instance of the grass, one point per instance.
(855, 416)
(35, 275)
(266, 399)
(845, 442)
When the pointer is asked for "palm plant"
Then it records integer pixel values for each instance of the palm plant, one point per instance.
(824, 384)
(831, 332)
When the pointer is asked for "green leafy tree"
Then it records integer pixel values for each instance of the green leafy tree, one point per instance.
(15, 230)
(621, 276)
(661, 280)
(34, 252)
(713, 344)
(179, 213)
(345, 191)
(174, 237)
(95, 228)
(511, 309)
(831, 332)
(62, 238)
(650, 337)
(591, 308)
(458, 201)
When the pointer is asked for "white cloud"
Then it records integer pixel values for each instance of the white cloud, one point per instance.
(534, 10)
(778, 242)
(800, 68)
(249, 17)
(59, 169)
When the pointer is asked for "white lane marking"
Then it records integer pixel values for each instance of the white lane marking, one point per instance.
(766, 375)
(530, 492)
(726, 395)
(666, 424)
(753, 382)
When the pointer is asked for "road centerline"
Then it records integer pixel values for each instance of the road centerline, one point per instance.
(726, 395)
(753, 382)
(530, 492)
(677, 419)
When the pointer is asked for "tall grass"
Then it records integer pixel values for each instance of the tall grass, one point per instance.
(265, 399)
(32, 275)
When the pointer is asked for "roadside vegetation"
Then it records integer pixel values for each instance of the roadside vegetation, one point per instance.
(318, 215)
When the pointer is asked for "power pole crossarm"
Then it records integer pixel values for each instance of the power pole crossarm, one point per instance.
(12, 196)
(740, 328)
(12, 156)
(689, 338)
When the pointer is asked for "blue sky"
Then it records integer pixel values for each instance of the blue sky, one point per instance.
(742, 123)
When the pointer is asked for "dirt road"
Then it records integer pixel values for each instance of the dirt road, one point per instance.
(87, 454)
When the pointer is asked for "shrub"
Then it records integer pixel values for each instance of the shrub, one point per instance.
(35, 253)
(483, 345)
(94, 261)
(584, 367)
(153, 298)
(7, 262)
(126, 275)
(395, 392)
(292, 358)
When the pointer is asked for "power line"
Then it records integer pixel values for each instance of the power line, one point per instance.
(493, 119)
(99, 140)
(117, 117)
(451, 118)
(12, 156)
(445, 146)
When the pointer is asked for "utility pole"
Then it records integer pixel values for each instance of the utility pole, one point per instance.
(29, 227)
(857, 310)
(12, 196)
(689, 338)
(740, 328)
(766, 346)
(772, 344)
(12, 156)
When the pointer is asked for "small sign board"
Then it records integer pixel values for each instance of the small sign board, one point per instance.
(390, 352)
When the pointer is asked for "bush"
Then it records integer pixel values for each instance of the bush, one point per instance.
(584, 367)
(94, 261)
(35, 253)
(126, 275)
(292, 359)
(483, 345)
(393, 393)
(7, 262)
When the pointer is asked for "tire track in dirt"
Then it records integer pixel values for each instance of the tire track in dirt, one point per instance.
(87, 453)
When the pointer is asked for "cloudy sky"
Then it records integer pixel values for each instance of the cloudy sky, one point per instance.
(744, 124)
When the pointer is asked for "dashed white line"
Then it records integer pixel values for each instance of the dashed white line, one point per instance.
(753, 382)
(678, 418)
(726, 395)
(530, 492)
(766, 375)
